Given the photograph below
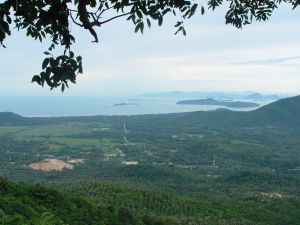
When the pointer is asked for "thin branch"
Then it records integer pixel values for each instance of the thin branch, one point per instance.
(115, 17)
(74, 21)
(90, 13)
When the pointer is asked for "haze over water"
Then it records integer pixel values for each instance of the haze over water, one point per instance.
(85, 106)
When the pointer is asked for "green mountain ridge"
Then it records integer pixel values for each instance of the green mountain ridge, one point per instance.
(287, 109)
(284, 112)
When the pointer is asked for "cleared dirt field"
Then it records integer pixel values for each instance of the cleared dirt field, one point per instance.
(47, 165)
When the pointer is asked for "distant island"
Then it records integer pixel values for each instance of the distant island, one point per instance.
(124, 104)
(258, 96)
(211, 101)
(216, 95)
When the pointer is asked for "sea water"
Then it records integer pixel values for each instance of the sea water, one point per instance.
(86, 106)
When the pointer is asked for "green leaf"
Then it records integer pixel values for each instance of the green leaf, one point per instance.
(166, 11)
(62, 87)
(78, 58)
(202, 10)
(47, 73)
(8, 19)
(139, 26)
(193, 10)
(53, 62)
(142, 27)
(80, 70)
(45, 63)
(160, 21)
(139, 14)
(178, 24)
(73, 63)
(36, 78)
(149, 23)
(179, 29)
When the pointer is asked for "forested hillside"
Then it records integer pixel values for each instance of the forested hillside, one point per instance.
(214, 167)
(22, 204)
(110, 204)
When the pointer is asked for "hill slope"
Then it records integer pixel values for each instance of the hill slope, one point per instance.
(285, 111)
(34, 204)
(120, 205)
(9, 118)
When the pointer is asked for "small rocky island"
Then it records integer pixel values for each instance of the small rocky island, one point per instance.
(211, 101)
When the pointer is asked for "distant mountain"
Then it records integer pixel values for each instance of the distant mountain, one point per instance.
(217, 95)
(195, 94)
(258, 96)
(211, 101)
(9, 118)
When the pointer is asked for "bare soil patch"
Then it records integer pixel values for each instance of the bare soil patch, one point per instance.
(48, 165)
(273, 195)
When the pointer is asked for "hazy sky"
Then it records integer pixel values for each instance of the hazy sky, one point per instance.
(262, 57)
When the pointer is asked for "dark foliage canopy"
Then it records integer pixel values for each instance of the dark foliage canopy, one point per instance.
(53, 19)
